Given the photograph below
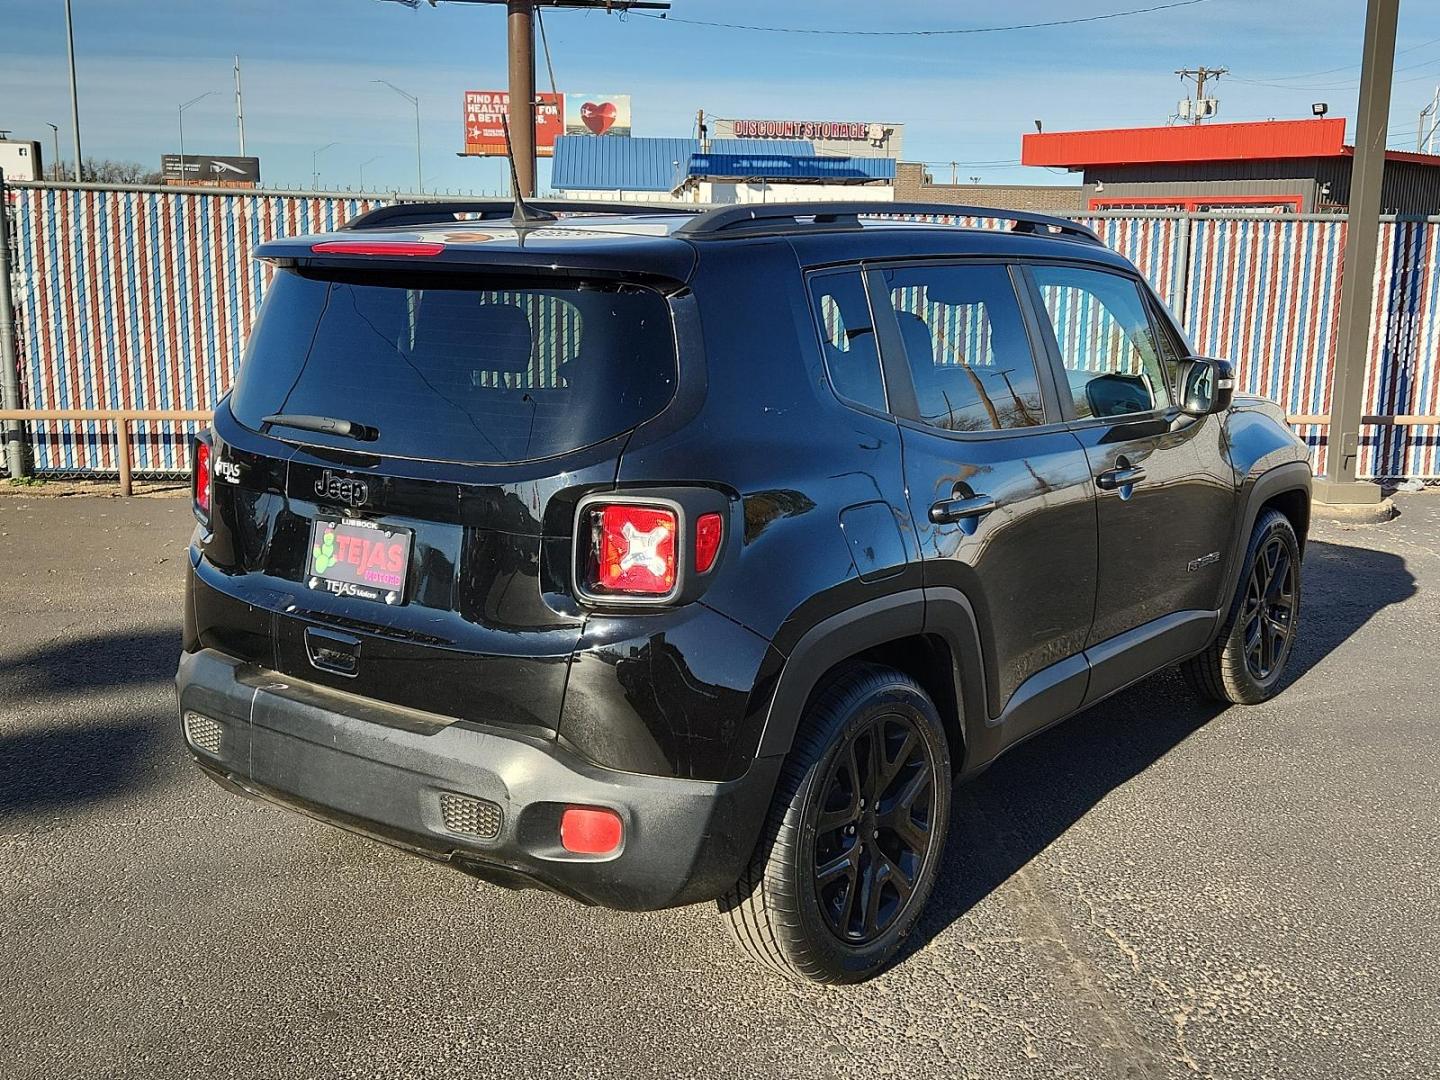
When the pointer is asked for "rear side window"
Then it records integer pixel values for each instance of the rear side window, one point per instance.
(967, 347)
(847, 335)
(1107, 345)
(446, 370)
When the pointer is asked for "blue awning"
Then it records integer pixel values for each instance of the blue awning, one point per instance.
(606, 163)
(781, 167)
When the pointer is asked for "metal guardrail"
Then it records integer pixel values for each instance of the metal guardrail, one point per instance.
(121, 418)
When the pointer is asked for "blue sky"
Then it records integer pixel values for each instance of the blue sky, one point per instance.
(309, 66)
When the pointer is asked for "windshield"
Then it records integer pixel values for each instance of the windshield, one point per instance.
(443, 369)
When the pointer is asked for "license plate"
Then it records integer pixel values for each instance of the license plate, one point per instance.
(359, 558)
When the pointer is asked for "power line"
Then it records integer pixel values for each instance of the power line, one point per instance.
(1342, 67)
(923, 33)
(1343, 86)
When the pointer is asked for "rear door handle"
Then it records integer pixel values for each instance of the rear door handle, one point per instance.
(949, 511)
(1118, 478)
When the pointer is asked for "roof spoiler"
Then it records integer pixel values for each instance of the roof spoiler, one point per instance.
(790, 217)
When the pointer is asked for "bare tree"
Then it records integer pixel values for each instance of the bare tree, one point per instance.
(109, 171)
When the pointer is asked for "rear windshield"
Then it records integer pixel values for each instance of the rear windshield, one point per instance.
(445, 369)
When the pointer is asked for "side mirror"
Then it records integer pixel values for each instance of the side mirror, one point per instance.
(1206, 386)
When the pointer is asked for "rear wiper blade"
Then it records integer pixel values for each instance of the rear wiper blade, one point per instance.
(328, 425)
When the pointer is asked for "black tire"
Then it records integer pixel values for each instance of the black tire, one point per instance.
(779, 911)
(1245, 663)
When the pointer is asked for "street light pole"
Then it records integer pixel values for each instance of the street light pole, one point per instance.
(367, 161)
(74, 96)
(315, 165)
(1362, 236)
(415, 101)
(184, 171)
(55, 166)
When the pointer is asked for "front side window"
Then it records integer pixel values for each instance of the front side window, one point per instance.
(1107, 346)
(967, 347)
(847, 336)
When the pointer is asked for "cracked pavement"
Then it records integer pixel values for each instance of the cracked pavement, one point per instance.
(1158, 888)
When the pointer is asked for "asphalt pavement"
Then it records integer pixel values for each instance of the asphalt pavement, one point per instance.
(1158, 888)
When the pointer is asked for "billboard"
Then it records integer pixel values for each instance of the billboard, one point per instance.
(211, 170)
(21, 159)
(485, 129)
(597, 114)
(853, 138)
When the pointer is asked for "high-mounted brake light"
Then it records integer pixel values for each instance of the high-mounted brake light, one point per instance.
(403, 248)
(200, 482)
(632, 549)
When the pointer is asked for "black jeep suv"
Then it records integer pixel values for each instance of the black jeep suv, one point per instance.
(655, 557)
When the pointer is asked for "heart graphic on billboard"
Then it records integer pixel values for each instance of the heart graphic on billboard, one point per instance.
(598, 118)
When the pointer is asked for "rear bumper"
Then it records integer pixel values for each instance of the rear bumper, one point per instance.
(382, 771)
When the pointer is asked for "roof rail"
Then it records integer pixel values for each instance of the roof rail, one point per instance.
(431, 213)
(787, 217)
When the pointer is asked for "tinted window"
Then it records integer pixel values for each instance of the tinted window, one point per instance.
(848, 338)
(1106, 342)
(966, 344)
(449, 371)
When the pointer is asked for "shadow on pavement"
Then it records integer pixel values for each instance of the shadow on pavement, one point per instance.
(43, 771)
(68, 742)
(98, 661)
(1010, 813)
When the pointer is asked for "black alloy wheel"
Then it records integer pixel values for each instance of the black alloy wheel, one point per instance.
(1269, 608)
(855, 836)
(873, 831)
(1245, 662)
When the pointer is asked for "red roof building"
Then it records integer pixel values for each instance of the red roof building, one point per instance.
(1276, 165)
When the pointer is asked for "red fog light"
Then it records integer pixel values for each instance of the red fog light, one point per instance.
(589, 830)
(633, 549)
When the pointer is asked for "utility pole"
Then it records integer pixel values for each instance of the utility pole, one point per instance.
(74, 97)
(239, 108)
(520, 33)
(1201, 75)
(702, 131)
(521, 25)
(1357, 283)
(954, 173)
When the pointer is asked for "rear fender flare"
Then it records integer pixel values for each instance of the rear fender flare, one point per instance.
(945, 613)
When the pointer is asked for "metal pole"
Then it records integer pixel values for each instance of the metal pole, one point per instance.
(184, 175)
(15, 455)
(1362, 236)
(74, 97)
(521, 23)
(419, 171)
(55, 166)
(239, 108)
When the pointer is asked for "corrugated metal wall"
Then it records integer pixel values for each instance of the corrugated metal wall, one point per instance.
(143, 299)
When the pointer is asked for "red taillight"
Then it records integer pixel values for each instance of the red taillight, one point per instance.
(404, 248)
(590, 830)
(709, 528)
(201, 480)
(633, 549)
